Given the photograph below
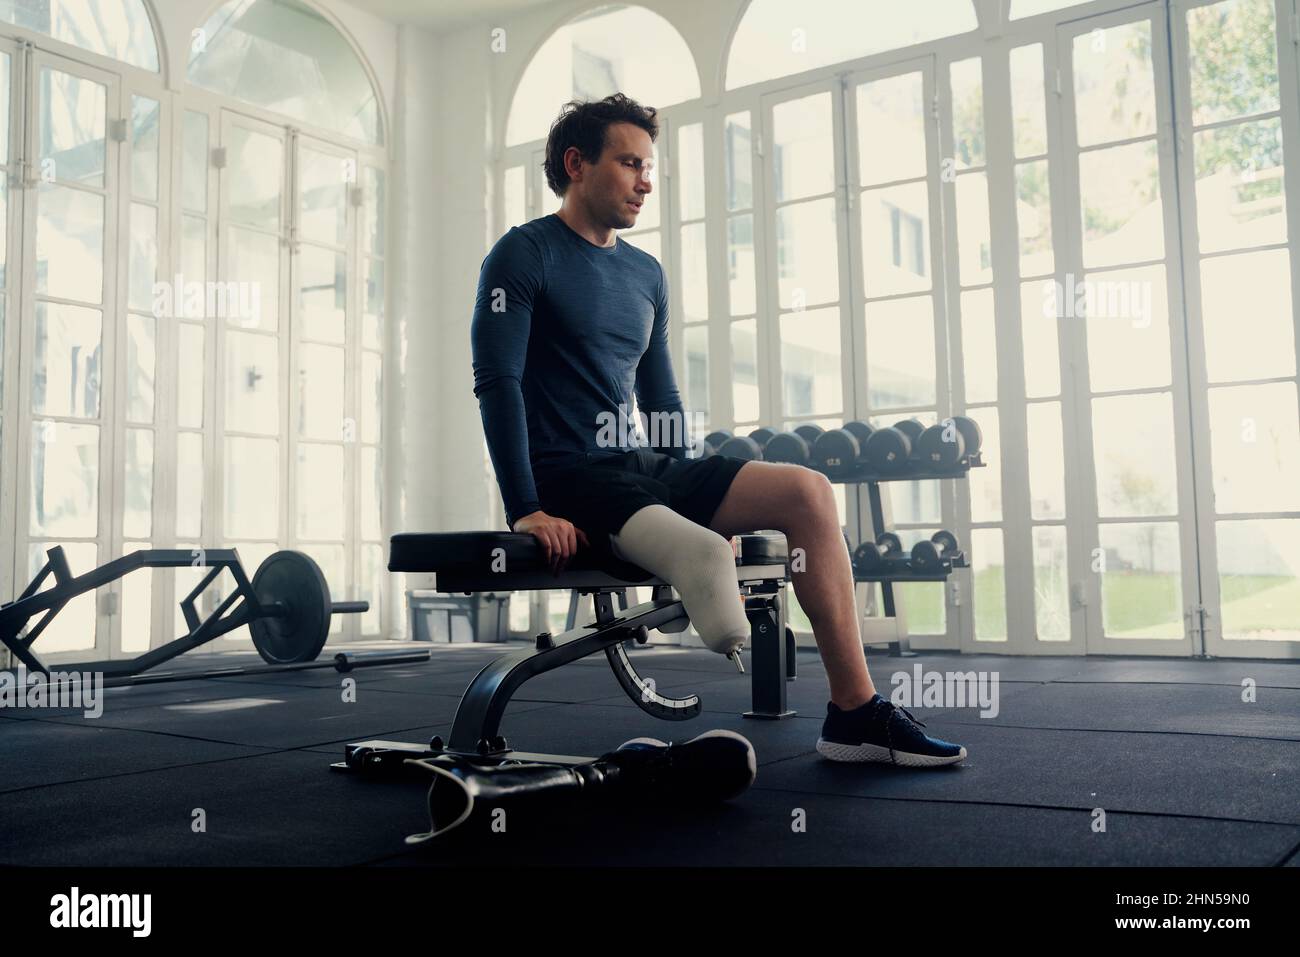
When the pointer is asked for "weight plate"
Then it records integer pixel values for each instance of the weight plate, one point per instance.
(809, 431)
(762, 435)
(860, 431)
(295, 580)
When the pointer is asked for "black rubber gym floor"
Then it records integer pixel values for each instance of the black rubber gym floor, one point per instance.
(1187, 774)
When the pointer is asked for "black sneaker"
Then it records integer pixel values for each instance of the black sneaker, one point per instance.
(881, 731)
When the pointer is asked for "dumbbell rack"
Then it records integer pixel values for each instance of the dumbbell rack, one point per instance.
(901, 647)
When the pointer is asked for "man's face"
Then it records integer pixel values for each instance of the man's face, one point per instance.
(614, 188)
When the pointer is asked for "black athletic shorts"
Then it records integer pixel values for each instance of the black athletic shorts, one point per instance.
(598, 497)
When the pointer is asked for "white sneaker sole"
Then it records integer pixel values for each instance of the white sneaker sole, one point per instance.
(875, 753)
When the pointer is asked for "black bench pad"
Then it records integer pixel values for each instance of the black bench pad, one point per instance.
(475, 553)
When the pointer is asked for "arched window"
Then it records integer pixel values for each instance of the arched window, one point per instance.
(285, 57)
(778, 38)
(614, 49)
(119, 29)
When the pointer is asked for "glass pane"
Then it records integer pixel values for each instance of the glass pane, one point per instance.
(974, 244)
(986, 483)
(372, 319)
(4, 107)
(777, 37)
(252, 507)
(333, 562)
(1120, 192)
(4, 232)
(1114, 85)
(190, 375)
(322, 292)
(989, 571)
(803, 158)
(696, 398)
(189, 486)
(1128, 329)
(1233, 59)
(323, 195)
(254, 279)
(252, 383)
(1141, 590)
(744, 369)
(284, 56)
(1269, 349)
(137, 603)
(1133, 438)
(73, 120)
(320, 393)
(70, 243)
(1255, 448)
(738, 148)
(979, 346)
(145, 119)
(64, 481)
(646, 242)
(1038, 332)
(1051, 583)
(372, 493)
(1258, 566)
(194, 259)
(900, 353)
(741, 264)
(695, 273)
(119, 29)
(1028, 8)
(516, 210)
(895, 240)
(137, 519)
(68, 361)
(810, 363)
(320, 491)
(690, 167)
(371, 587)
(807, 264)
(1034, 217)
(144, 257)
(194, 162)
(1240, 194)
(254, 178)
(73, 628)
(967, 112)
(1047, 463)
(141, 362)
(371, 397)
(1028, 103)
(891, 111)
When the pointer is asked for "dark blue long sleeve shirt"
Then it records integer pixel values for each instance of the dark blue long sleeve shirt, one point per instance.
(563, 332)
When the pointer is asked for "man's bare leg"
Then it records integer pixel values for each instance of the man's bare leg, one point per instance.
(800, 503)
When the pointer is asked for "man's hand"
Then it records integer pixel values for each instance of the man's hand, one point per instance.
(558, 536)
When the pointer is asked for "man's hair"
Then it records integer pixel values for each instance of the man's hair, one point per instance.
(583, 125)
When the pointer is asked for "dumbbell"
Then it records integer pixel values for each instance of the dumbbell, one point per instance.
(838, 452)
(887, 451)
(872, 558)
(929, 556)
(970, 433)
(762, 436)
(913, 429)
(713, 441)
(941, 446)
(787, 447)
(742, 447)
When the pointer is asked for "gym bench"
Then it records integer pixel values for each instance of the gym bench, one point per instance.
(472, 562)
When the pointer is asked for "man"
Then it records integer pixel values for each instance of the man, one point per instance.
(568, 322)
